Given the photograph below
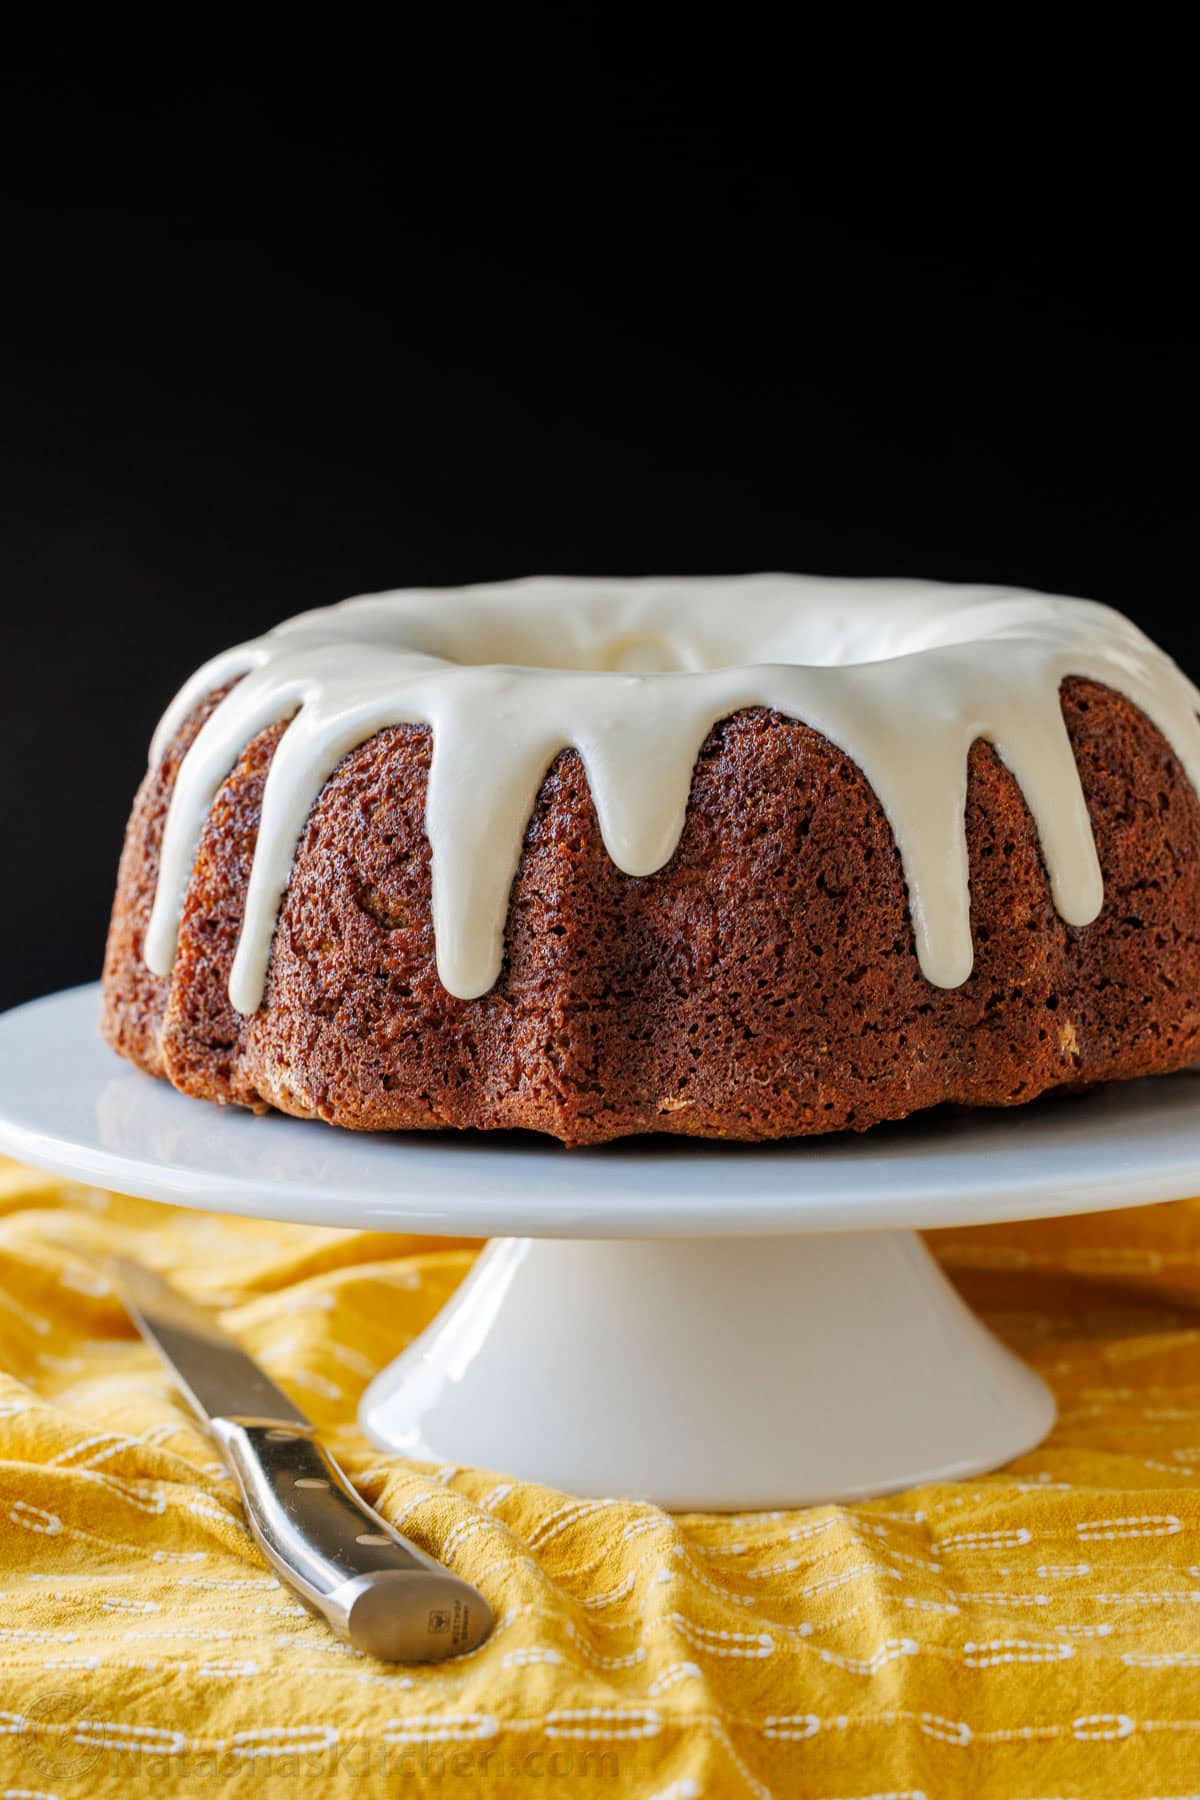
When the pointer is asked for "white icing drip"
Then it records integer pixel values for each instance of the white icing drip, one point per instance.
(901, 676)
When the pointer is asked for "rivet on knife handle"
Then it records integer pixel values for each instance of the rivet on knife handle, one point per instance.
(376, 1589)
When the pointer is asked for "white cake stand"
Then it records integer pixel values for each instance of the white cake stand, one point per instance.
(703, 1325)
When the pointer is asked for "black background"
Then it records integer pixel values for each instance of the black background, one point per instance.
(229, 394)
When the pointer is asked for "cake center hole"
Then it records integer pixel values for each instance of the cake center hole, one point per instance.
(685, 633)
(641, 653)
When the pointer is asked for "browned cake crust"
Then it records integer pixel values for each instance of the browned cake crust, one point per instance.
(764, 984)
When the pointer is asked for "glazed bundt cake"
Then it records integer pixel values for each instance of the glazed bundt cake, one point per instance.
(738, 858)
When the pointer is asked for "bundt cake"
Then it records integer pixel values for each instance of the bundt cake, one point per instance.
(742, 858)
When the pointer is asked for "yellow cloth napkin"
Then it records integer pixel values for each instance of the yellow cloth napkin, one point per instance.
(1032, 1633)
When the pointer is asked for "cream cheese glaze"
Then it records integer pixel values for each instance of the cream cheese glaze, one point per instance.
(901, 675)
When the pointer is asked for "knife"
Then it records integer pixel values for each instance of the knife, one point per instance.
(377, 1590)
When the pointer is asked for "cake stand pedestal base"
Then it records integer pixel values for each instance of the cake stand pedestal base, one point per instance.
(711, 1373)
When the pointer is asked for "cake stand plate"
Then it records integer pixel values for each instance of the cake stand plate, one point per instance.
(707, 1326)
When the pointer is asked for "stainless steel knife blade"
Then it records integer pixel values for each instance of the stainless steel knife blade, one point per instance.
(380, 1592)
(218, 1378)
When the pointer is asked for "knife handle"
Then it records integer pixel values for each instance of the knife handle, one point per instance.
(376, 1590)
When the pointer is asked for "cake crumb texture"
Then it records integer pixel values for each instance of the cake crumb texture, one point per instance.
(763, 984)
